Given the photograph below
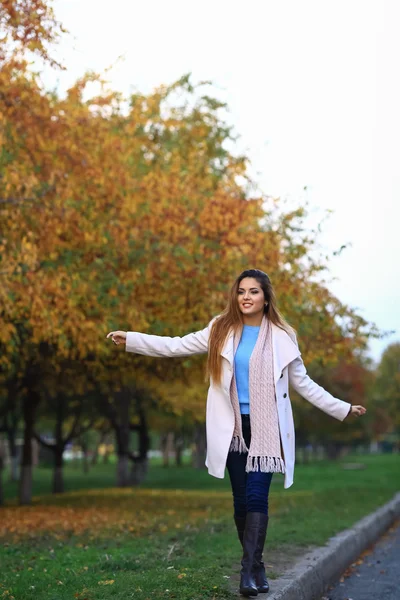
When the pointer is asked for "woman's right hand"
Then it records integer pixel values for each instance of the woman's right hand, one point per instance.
(118, 337)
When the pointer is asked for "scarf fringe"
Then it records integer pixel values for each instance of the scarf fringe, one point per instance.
(238, 445)
(265, 464)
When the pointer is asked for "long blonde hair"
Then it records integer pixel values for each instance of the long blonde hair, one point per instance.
(232, 319)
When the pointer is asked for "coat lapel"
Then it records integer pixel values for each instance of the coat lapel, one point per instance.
(284, 349)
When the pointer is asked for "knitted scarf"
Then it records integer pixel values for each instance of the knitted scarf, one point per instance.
(264, 453)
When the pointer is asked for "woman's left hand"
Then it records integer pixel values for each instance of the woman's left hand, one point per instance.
(358, 410)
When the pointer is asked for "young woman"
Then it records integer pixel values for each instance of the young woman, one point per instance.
(252, 357)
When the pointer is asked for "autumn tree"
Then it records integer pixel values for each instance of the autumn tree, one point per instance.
(28, 26)
(349, 380)
(387, 392)
(66, 413)
(132, 214)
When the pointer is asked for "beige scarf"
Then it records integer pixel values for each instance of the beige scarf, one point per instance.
(265, 448)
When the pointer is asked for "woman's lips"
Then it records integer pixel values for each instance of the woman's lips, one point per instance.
(247, 305)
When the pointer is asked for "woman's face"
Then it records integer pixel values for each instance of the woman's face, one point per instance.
(250, 296)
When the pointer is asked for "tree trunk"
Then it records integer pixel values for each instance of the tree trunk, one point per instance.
(85, 461)
(58, 473)
(139, 471)
(58, 448)
(179, 443)
(199, 452)
(103, 437)
(35, 452)
(123, 471)
(25, 483)
(1, 479)
(13, 452)
(12, 418)
(167, 447)
(14, 468)
(332, 450)
(120, 421)
(140, 464)
(122, 435)
(178, 455)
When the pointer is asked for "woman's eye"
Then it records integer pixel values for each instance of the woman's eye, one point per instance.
(252, 292)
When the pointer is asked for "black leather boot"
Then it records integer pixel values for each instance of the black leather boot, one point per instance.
(240, 523)
(248, 585)
(258, 565)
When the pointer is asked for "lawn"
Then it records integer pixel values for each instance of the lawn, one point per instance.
(173, 537)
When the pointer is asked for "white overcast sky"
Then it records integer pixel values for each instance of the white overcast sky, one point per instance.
(311, 88)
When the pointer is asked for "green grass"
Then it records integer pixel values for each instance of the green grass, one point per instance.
(186, 548)
(104, 476)
(314, 476)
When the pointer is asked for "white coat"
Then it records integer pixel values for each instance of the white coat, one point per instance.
(288, 367)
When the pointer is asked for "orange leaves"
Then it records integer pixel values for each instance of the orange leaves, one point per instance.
(114, 511)
(31, 25)
(6, 333)
(130, 218)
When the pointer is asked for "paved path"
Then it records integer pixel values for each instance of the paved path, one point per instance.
(375, 575)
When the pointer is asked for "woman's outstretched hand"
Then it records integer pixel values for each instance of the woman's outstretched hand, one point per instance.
(357, 410)
(118, 337)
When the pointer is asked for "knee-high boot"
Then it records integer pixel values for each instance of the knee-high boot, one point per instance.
(240, 523)
(248, 585)
(258, 565)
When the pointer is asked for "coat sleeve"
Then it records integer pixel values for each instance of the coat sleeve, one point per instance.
(314, 393)
(157, 345)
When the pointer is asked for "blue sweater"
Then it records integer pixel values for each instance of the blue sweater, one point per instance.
(242, 360)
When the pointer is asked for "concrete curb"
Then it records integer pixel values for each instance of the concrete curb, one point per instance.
(310, 577)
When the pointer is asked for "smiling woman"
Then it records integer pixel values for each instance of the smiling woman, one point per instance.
(253, 355)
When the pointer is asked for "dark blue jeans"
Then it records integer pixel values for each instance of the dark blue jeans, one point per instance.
(250, 490)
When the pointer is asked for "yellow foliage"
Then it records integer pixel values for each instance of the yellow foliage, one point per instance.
(135, 219)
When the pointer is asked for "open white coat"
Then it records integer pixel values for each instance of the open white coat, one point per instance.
(288, 367)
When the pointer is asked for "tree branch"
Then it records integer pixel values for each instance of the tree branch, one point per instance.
(73, 432)
(43, 443)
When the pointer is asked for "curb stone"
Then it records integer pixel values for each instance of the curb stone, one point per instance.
(309, 578)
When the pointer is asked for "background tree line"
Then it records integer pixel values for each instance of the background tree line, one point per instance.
(135, 213)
